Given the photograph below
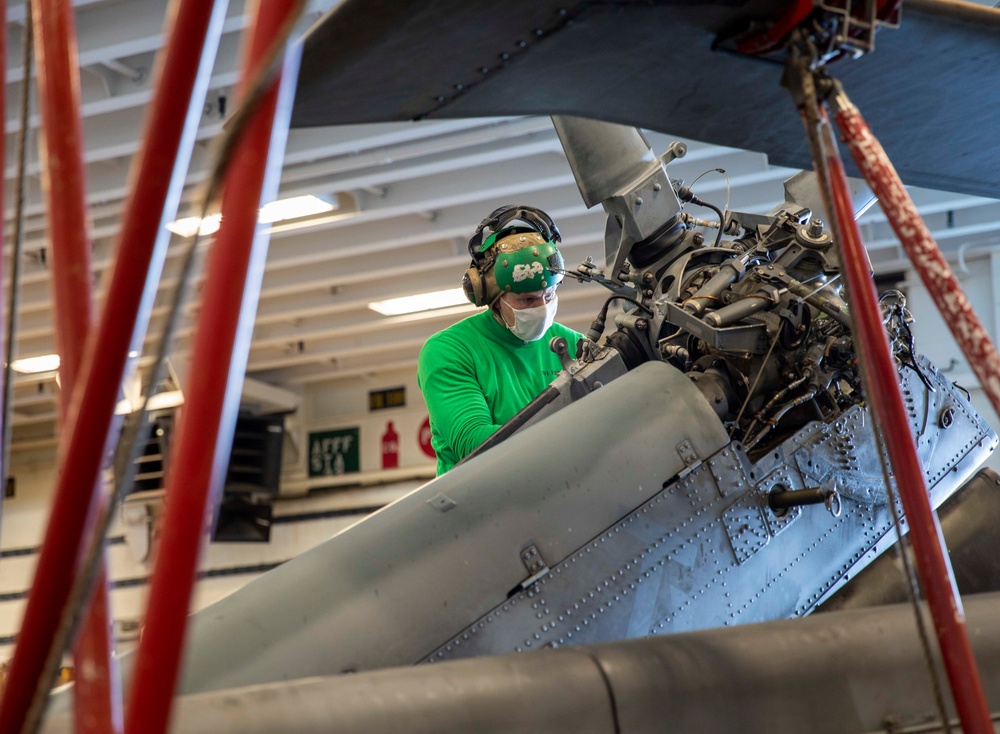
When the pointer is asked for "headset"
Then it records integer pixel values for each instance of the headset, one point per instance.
(509, 219)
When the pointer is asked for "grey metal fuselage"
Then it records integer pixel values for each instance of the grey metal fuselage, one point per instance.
(644, 519)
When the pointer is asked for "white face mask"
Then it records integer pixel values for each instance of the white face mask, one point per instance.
(531, 323)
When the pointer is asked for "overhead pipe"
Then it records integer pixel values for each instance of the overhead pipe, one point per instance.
(158, 179)
(886, 401)
(221, 347)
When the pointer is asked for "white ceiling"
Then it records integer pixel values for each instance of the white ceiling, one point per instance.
(410, 196)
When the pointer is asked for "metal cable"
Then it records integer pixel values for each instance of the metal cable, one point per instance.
(760, 372)
(912, 584)
(15, 276)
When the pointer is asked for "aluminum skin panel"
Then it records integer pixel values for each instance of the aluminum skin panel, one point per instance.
(708, 551)
(391, 589)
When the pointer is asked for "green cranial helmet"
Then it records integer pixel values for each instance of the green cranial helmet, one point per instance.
(524, 261)
(513, 251)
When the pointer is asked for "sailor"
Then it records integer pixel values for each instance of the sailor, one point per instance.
(478, 373)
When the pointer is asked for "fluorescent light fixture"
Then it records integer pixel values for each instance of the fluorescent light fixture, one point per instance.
(294, 207)
(189, 226)
(160, 401)
(164, 400)
(420, 302)
(36, 365)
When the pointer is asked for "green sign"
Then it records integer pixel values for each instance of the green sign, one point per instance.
(332, 453)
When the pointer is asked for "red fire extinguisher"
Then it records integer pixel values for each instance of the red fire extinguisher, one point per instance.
(390, 448)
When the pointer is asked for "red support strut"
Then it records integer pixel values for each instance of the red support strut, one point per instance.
(64, 181)
(221, 347)
(883, 394)
(97, 695)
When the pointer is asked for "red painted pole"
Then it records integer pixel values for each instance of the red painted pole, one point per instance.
(886, 400)
(63, 178)
(221, 347)
(920, 246)
(97, 696)
(158, 177)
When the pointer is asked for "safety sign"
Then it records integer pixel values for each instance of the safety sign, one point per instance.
(332, 453)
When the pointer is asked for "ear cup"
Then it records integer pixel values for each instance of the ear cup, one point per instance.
(475, 290)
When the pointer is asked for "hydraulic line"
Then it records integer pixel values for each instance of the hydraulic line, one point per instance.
(753, 386)
(777, 399)
(771, 422)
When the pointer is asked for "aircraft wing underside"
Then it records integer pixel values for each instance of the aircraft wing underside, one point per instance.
(929, 90)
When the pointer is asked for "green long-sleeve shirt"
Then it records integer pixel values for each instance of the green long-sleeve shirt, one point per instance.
(476, 375)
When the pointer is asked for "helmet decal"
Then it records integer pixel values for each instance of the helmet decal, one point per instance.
(528, 263)
(526, 272)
